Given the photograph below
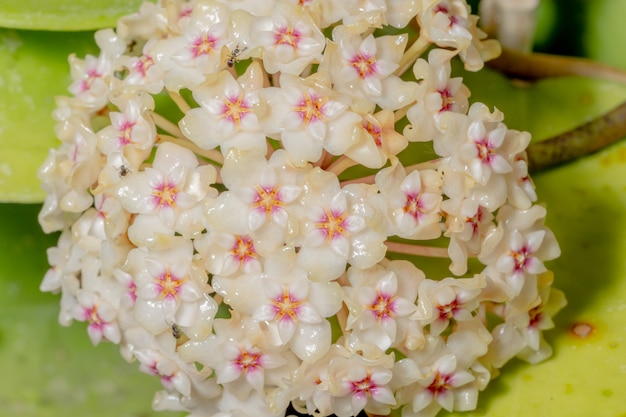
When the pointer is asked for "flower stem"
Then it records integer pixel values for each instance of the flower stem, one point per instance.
(432, 164)
(341, 164)
(409, 249)
(410, 56)
(369, 179)
(179, 101)
(580, 141)
(211, 154)
(166, 125)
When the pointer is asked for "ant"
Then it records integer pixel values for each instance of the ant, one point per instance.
(176, 331)
(124, 171)
(234, 56)
(179, 335)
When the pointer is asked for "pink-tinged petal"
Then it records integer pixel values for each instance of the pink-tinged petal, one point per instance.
(534, 240)
(308, 314)
(354, 224)
(341, 246)
(289, 193)
(403, 307)
(292, 121)
(534, 265)
(383, 395)
(317, 129)
(189, 292)
(286, 328)
(461, 378)
(430, 201)
(266, 312)
(95, 334)
(256, 378)
(332, 109)
(500, 165)
(272, 361)
(182, 383)
(228, 373)
(446, 400)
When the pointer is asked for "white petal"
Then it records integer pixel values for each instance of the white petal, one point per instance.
(286, 329)
(228, 373)
(308, 314)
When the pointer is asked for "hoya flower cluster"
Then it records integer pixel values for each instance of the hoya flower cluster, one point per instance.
(248, 193)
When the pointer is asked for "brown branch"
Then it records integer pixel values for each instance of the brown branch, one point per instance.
(535, 66)
(580, 141)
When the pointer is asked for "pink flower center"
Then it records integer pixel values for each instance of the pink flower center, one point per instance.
(364, 64)
(383, 306)
(92, 75)
(311, 108)
(364, 387)
(90, 314)
(142, 64)
(234, 109)
(125, 133)
(521, 258)
(447, 100)
(375, 131)
(164, 195)
(446, 311)
(286, 306)
(287, 35)
(168, 285)
(249, 361)
(332, 225)
(203, 45)
(485, 150)
(243, 249)
(475, 220)
(441, 383)
(267, 199)
(413, 206)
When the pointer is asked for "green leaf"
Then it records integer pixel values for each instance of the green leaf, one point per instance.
(49, 370)
(33, 69)
(64, 15)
